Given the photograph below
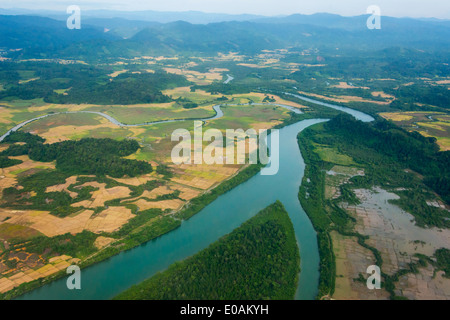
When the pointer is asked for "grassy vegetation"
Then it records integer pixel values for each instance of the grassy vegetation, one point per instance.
(259, 260)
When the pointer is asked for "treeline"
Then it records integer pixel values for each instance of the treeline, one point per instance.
(126, 88)
(259, 260)
(312, 199)
(407, 96)
(86, 156)
(7, 162)
(86, 84)
(411, 149)
(443, 260)
(17, 150)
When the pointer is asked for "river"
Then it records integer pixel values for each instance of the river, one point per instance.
(106, 279)
(217, 109)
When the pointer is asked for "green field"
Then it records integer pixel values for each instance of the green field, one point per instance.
(333, 156)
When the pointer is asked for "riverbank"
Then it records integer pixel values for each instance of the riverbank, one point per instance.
(242, 265)
(188, 211)
(367, 215)
(215, 220)
(307, 239)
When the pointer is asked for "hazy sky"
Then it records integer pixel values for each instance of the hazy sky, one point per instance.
(397, 8)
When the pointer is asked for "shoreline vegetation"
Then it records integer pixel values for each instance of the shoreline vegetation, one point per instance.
(328, 215)
(165, 225)
(258, 260)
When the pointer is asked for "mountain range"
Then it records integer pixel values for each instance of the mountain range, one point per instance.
(105, 34)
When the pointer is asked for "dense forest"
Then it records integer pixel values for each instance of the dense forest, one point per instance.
(86, 156)
(85, 84)
(410, 149)
(7, 162)
(259, 260)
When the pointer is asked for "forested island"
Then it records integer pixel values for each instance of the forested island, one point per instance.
(259, 260)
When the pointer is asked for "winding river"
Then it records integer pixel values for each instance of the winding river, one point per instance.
(106, 279)
(217, 109)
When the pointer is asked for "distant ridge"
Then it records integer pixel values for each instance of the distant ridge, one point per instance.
(101, 37)
(195, 17)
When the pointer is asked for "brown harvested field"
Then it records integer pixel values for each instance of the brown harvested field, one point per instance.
(173, 204)
(153, 194)
(264, 125)
(383, 95)
(46, 223)
(345, 85)
(136, 181)
(199, 96)
(230, 56)
(278, 100)
(5, 115)
(160, 191)
(93, 184)
(63, 187)
(197, 77)
(252, 65)
(115, 74)
(6, 182)
(8, 176)
(219, 70)
(102, 242)
(64, 133)
(100, 196)
(63, 107)
(202, 176)
(108, 220)
(344, 99)
(55, 265)
(351, 261)
(186, 193)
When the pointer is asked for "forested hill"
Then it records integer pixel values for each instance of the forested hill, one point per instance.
(259, 260)
(46, 38)
(86, 84)
(43, 37)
